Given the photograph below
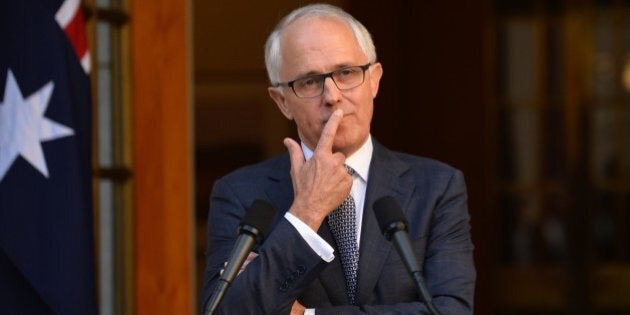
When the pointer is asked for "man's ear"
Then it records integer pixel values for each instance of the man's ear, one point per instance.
(376, 72)
(277, 96)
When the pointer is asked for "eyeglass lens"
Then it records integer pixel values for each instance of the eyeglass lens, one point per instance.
(344, 79)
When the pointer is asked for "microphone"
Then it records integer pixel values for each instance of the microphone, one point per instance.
(253, 228)
(392, 222)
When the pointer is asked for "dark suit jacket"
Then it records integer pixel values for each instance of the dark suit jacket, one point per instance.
(433, 196)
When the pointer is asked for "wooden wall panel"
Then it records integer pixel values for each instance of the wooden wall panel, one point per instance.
(164, 273)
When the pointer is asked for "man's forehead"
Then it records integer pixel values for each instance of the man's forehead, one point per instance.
(315, 45)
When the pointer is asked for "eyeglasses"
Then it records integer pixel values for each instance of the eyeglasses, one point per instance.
(313, 85)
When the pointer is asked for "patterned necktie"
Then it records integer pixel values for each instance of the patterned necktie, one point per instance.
(342, 223)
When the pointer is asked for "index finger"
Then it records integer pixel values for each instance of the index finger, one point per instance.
(327, 137)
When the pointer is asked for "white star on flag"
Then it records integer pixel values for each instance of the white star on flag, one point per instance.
(23, 126)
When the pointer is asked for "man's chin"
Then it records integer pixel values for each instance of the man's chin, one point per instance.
(342, 145)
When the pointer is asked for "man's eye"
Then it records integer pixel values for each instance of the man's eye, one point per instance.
(307, 82)
(346, 72)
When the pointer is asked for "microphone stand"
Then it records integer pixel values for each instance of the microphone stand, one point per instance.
(401, 237)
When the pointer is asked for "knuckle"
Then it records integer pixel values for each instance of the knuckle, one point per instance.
(339, 158)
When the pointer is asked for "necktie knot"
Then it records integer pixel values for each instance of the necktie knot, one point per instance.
(349, 169)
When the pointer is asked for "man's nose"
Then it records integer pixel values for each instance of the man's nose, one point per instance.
(332, 94)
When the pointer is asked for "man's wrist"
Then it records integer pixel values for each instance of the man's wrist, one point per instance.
(316, 242)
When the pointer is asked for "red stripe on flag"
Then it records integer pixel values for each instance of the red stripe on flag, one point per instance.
(75, 30)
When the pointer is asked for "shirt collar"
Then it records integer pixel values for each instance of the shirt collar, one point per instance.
(359, 160)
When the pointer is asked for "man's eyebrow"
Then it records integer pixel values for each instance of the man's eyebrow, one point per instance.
(310, 73)
(313, 72)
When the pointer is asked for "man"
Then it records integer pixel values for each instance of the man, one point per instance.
(324, 75)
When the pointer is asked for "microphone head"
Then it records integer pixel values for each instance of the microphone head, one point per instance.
(389, 215)
(258, 218)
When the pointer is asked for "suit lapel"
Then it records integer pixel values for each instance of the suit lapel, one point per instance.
(279, 188)
(385, 179)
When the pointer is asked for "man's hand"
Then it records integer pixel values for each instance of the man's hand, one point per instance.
(251, 256)
(321, 183)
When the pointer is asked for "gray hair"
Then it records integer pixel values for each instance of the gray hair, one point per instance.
(273, 54)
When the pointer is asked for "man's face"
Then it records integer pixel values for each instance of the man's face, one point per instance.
(321, 45)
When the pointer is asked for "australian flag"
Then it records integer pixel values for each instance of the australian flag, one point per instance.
(46, 237)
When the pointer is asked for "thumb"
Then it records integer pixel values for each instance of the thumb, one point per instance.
(295, 154)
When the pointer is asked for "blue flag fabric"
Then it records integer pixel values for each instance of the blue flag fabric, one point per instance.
(46, 236)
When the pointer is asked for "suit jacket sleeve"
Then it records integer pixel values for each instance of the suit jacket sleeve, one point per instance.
(272, 282)
(449, 259)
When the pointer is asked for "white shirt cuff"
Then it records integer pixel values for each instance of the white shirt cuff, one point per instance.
(316, 242)
(309, 311)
